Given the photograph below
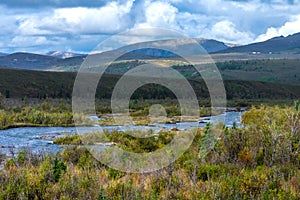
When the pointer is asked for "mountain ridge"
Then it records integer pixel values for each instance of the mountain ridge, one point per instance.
(274, 48)
(273, 45)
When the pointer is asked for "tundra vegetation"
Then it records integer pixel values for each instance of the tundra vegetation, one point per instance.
(49, 113)
(44, 114)
(260, 160)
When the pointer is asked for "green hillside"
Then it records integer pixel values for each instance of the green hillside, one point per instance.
(37, 84)
(283, 71)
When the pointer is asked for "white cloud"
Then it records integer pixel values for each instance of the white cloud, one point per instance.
(159, 14)
(8, 22)
(23, 41)
(215, 19)
(193, 24)
(30, 26)
(227, 31)
(288, 28)
(108, 19)
(248, 6)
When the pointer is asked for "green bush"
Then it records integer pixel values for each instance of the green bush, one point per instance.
(59, 169)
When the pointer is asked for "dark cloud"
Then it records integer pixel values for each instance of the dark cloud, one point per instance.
(52, 3)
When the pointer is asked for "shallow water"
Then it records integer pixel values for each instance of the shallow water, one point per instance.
(28, 137)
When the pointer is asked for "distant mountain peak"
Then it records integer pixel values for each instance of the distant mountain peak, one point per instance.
(62, 54)
(231, 45)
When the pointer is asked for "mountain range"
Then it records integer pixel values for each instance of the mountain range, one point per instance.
(184, 46)
(274, 45)
(278, 47)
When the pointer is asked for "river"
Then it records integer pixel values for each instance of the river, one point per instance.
(39, 139)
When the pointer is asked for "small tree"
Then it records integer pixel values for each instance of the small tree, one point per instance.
(274, 133)
(7, 94)
(1, 101)
(293, 116)
(59, 169)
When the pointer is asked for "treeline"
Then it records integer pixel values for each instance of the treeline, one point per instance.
(33, 84)
(281, 71)
(258, 161)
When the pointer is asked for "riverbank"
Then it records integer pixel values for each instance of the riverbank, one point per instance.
(21, 125)
(244, 164)
(39, 138)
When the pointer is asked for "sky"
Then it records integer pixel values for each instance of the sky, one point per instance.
(79, 26)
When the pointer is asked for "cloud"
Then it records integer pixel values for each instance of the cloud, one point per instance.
(288, 28)
(159, 14)
(51, 3)
(291, 2)
(80, 25)
(8, 22)
(227, 31)
(108, 19)
(196, 24)
(25, 41)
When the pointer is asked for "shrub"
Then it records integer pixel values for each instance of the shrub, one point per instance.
(59, 169)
